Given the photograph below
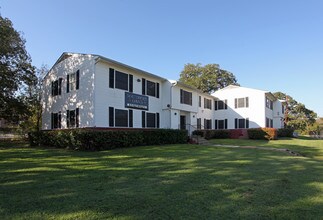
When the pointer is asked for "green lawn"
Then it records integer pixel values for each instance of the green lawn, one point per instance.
(160, 182)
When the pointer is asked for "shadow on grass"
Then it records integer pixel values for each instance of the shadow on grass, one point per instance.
(158, 182)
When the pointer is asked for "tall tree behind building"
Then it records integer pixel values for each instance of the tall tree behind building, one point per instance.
(208, 78)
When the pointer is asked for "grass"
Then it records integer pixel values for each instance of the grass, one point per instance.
(160, 182)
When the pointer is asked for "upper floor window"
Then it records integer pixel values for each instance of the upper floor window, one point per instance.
(241, 102)
(186, 97)
(150, 88)
(72, 82)
(269, 103)
(120, 80)
(56, 119)
(57, 87)
(72, 118)
(241, 123)
(207, 103)
(220, 104)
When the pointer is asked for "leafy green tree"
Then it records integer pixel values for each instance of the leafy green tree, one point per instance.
(208, 78)
(16, 73)
(298, 116)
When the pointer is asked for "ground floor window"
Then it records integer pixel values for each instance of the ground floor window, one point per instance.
(241, 123)
(269, 123)
(56, 119)
(207, 123)
(120, 117)
(221, 124)
(72, 118)
(150, 120)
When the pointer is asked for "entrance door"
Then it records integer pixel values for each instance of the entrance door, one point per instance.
(183, 122)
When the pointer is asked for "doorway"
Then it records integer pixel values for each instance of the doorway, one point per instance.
(183, 122)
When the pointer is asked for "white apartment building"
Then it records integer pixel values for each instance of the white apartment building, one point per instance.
(86, 90)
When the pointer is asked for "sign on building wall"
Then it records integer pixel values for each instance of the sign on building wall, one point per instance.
(136, 101)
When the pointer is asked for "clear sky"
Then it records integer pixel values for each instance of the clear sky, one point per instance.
(274, 45)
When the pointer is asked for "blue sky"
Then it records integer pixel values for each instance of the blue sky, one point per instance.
(272, 45)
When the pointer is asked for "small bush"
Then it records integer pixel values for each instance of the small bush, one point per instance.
(213, 134)
(262, 133)
(86, 139)
(285, 132)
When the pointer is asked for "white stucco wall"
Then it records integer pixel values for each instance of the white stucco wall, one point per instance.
(81, 98)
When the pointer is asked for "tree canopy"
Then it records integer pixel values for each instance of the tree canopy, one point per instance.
(298, 116)
(208, 78)
(17, 75)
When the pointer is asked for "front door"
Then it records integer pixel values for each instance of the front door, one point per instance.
(183, 122)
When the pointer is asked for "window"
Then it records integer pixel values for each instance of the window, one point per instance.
(150, 120)
(269, 103)
(72, 118)
(207, 103)
(221, 124)
(57, 87)
(200, 101)
(186, 97)
(72, 82)
(56, 119)
(269, 123)
(199, 123)
(241, 102)
(150, 88)
(241, 123)
(207, 124)
(120, 118)
(220, 104)
(120, 80)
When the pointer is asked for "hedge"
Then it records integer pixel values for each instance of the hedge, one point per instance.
(262, 133)
(213, 134)
(285, 132)
(83, 139)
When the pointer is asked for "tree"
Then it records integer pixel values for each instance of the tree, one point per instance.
(16, 73)
(208, 78)
(297, 115)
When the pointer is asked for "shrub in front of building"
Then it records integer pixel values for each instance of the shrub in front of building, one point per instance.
(285, 132)
(91, 139)
(262, 133)
(213, 134)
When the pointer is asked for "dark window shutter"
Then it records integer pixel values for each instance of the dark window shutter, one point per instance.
(158, 120)
(215, 105)
(130, 118)
(157, 87)
(235, 103)
(247, 122)
(68, 118)
(143, 119)
(235, 123)
(111, 116)
(68, 83)
(215, 124)
(226, 104)
(205, 103)
(205, 127)
(130, 83)
(52, 120)
(59, 120)
(181, 96)
(77, 79)
(111, 78)
(226, 123)
(143, 86)
(52, 88)
(60, 86)
(210, 124)
(247, 102)
(77, 117)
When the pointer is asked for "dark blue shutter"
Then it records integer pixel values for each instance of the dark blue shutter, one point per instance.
(235, 123)
(52, 120)
(111, 78)
(130, 83)
(68, 83)
(52, 88)
(77, 117)
(158, 120)
(130, 118)
(157, 90)
(60, 86)
(77, 79)
(59, 120)
(247, 122)
(111, 116)
(143, 86)
(215, 105)
(226, 123)
(215, 124)
(143, 119)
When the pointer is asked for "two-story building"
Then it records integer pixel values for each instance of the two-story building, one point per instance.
(86, 90)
